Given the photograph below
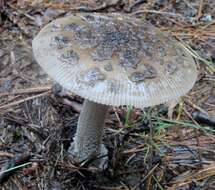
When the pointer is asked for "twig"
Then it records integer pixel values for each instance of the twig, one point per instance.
(188, 4)
(10, 17)
(104, 6)
(145, 177)
(193, 105)
(74, 105)
(148, 182)
(197, 138)
(21, 13)
(197, 176)
(6, 154)
(207, 25)
(139, 148)
(23, 100)
(117, 116)
(200, 10)
(28, 90)
(76, 168)
(158, 12)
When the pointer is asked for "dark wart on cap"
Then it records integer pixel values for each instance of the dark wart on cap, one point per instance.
(113, 59)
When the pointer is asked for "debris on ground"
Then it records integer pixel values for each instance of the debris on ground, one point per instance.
(170, 146)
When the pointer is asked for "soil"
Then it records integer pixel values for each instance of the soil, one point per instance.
(164, 147)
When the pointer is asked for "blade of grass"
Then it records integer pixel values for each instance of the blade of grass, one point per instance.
(16, 167)
(180, 109)
(159, 185)
(127, 117)
(146, 154)
(167, 123)
(194, 53)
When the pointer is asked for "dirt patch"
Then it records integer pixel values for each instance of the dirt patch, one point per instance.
(147, 149)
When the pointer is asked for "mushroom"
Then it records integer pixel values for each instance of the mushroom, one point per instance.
(111, 60)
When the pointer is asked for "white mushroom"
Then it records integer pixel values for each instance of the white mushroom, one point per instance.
(111, 60)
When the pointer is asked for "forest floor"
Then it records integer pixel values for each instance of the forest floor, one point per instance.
(171, 146)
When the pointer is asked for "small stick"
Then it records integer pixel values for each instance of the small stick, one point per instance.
(194, 105)
(135, 150)
(23, 100)
(6, 154)
(157, 12)
(150, 164)
(74, 105)
(145, 177)
(85, 8)
(28, 90)
(197, 138)
(117, 116)
(200, 10)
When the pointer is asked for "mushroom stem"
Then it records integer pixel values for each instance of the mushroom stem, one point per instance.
(88, 138)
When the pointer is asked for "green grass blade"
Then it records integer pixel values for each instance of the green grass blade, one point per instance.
(16, 167)
(209, 64)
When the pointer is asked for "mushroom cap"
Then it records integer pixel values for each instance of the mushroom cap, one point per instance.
(115, 60)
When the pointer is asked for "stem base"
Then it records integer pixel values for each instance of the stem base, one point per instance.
(101, 161)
